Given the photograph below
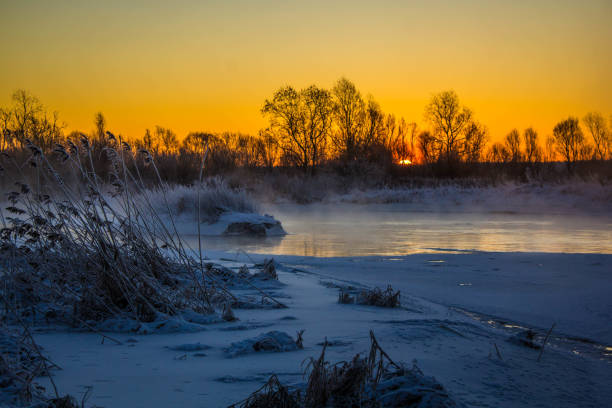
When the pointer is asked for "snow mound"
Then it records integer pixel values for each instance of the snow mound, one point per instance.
(271, 342)
(222, 211)
(229, 223)
(215, 198)
(411, 388)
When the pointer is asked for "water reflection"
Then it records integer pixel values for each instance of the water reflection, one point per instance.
(392, 229)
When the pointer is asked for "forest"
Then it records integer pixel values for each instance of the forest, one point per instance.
(335, 132)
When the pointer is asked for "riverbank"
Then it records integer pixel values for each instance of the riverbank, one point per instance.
(457, 309)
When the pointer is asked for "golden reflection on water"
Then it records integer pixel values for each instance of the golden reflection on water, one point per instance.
(332, 231)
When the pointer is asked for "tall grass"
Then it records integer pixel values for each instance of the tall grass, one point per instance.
(69, 253)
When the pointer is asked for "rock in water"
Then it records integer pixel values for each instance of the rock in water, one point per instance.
(245, 228)
(254, 228)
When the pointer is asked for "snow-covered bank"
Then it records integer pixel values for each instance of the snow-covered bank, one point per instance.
(572, 290)
(458, 348)
(230, 224)
(222, 210)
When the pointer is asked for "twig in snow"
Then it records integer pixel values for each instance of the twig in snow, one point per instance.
(545, 340)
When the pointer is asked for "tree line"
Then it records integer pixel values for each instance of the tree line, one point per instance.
(314, 127)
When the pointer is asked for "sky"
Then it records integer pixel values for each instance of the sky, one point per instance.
(209, 65)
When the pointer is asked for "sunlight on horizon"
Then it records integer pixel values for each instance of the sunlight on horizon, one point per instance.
(209, 66)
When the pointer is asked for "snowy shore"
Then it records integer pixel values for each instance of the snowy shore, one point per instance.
(456, 309)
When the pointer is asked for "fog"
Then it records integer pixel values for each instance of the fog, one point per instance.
(346, 229)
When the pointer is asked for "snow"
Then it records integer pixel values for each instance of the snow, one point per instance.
(186, 225)
(458, 310)
(464, 318)
(220, 207)
(573, 290)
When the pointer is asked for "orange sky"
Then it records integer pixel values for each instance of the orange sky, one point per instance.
(208, 65)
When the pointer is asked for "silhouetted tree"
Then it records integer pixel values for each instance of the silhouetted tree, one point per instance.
(147, 141)
(7, 137)
(27, 118)
(533, 152)
(268, 148)
(586, 151)
(166, 140)
(428, 145)
(399, 138)
(316, 121)
(476, 136)
(301, 121)
(499, 153)
(349, 114)
(374, 126)
(448, 120)
(569, 140)
(550, 149)
(283, 111)
(198, 141)
(513, 145)
(596, 124)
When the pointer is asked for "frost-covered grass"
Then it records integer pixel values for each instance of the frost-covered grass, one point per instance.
(368, 382)
(72, 256)
(215, 198)
(371, 297)
(75, 258)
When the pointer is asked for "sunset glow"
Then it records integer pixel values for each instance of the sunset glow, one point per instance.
(213, 203)
(192, 65)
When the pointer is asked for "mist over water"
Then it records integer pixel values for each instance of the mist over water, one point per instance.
(340, 229)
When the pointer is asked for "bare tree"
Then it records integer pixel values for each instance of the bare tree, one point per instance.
(6, 134)
(533, 152)
(596, 124)
(449, 120)
(498, 153)
(428, 145)
(147, 141)
(316, 121)
(476, 136)
(198, 141)
(374, 128)
(569, 140)
(587, 151)
(349, 114)
(513, 145)
(550, 150)
(283, 112)
(166, 139)
(302, 122)
(268, 148)
(399, 139)
(27, 118)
